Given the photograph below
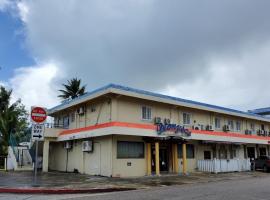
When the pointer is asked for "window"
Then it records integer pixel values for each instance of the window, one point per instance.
(262, 151)
(130, 149)
(207, 155)
(252, 127)
(72, 116)
(262, 127)
(66, 122)
(190, 151)
(186, 118)
(238, 126)
(217, 123)
(146, 113)
(231, 124)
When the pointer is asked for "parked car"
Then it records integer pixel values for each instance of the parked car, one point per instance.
(263, 162)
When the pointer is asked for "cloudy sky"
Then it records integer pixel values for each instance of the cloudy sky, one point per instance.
(211, 51)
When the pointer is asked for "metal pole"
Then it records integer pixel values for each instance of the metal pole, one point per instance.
(36, 163)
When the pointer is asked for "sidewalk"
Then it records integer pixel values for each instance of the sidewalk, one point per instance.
(56, 182)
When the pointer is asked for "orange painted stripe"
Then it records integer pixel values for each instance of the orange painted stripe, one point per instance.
(153, 127)
(109, 124)
(226, 134)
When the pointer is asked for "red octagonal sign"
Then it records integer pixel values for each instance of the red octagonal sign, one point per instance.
(38, 114)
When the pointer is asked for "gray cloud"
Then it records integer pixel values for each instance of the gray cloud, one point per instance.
(151, 44)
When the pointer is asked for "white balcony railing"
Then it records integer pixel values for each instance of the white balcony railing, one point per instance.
(224, 165)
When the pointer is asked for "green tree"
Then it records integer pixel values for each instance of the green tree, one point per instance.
(13, 119)
(72, 89)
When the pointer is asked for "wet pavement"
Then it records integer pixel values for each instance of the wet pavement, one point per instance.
(75, 181)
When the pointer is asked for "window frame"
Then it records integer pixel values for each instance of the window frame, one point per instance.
(190, 118)
(180, 154)
(252, 126)
(147, 107)
(231, 126)
(219, 119)
(236, 126)
(128, 156)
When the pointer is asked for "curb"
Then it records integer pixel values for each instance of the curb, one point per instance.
(61, 191)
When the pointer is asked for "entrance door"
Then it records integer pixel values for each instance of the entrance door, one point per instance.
(163, 160)
(251, 152)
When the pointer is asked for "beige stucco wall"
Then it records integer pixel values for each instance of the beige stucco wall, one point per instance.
(129, 110)
(120, 167)
(96, 112)
(97, 162)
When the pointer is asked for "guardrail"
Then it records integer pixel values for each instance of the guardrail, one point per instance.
(53, 125)
(224, 165)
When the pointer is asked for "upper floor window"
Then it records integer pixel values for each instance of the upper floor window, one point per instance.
(146, 113)
(186, 118)
(72, 116)
(238, 126)
(231, 124)
(252, 127)
(217, 123)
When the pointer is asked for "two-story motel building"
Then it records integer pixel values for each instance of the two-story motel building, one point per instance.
(120, 132)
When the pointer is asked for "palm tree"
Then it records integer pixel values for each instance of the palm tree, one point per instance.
(72, 89)
(13, 118)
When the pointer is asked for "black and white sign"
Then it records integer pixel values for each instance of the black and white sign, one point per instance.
(38, 132)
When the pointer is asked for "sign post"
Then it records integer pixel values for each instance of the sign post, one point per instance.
(38, 116)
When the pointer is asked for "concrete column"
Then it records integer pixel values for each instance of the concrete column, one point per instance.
(176, 163)
(157, 158)
(173, 159)
(184, 150)
(45, 164)
(245, 151)
(149, 166)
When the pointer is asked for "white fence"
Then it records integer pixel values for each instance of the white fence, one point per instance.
(223, 165)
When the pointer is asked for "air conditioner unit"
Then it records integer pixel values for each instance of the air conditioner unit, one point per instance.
(209, 127)
(196, 127)
(80, 111)
(248, 132)
(259, 132)
(68, 145)
(157, 120)
(87, 146)
(167, 121)
(226, 128)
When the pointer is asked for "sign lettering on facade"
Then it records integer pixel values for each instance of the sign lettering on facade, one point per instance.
(163, 127)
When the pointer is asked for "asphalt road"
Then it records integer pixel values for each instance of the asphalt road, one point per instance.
(246, 189)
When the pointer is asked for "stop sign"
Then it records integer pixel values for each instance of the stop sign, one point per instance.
(38, 114)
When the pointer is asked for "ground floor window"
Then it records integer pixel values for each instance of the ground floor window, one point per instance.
(223, 152)
(262, 151)
(130, 149)
(190, 151)
(207, 155)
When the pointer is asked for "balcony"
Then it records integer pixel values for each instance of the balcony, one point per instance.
(53, 130)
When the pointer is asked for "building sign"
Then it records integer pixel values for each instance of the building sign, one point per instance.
(163, 127)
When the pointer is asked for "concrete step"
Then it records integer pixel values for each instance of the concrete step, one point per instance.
(25, 168)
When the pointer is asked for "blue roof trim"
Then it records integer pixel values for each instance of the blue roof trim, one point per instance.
(144, 92)
(80, 97)
(261, 111)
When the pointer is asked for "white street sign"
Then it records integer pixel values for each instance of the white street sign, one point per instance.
(38, 132)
